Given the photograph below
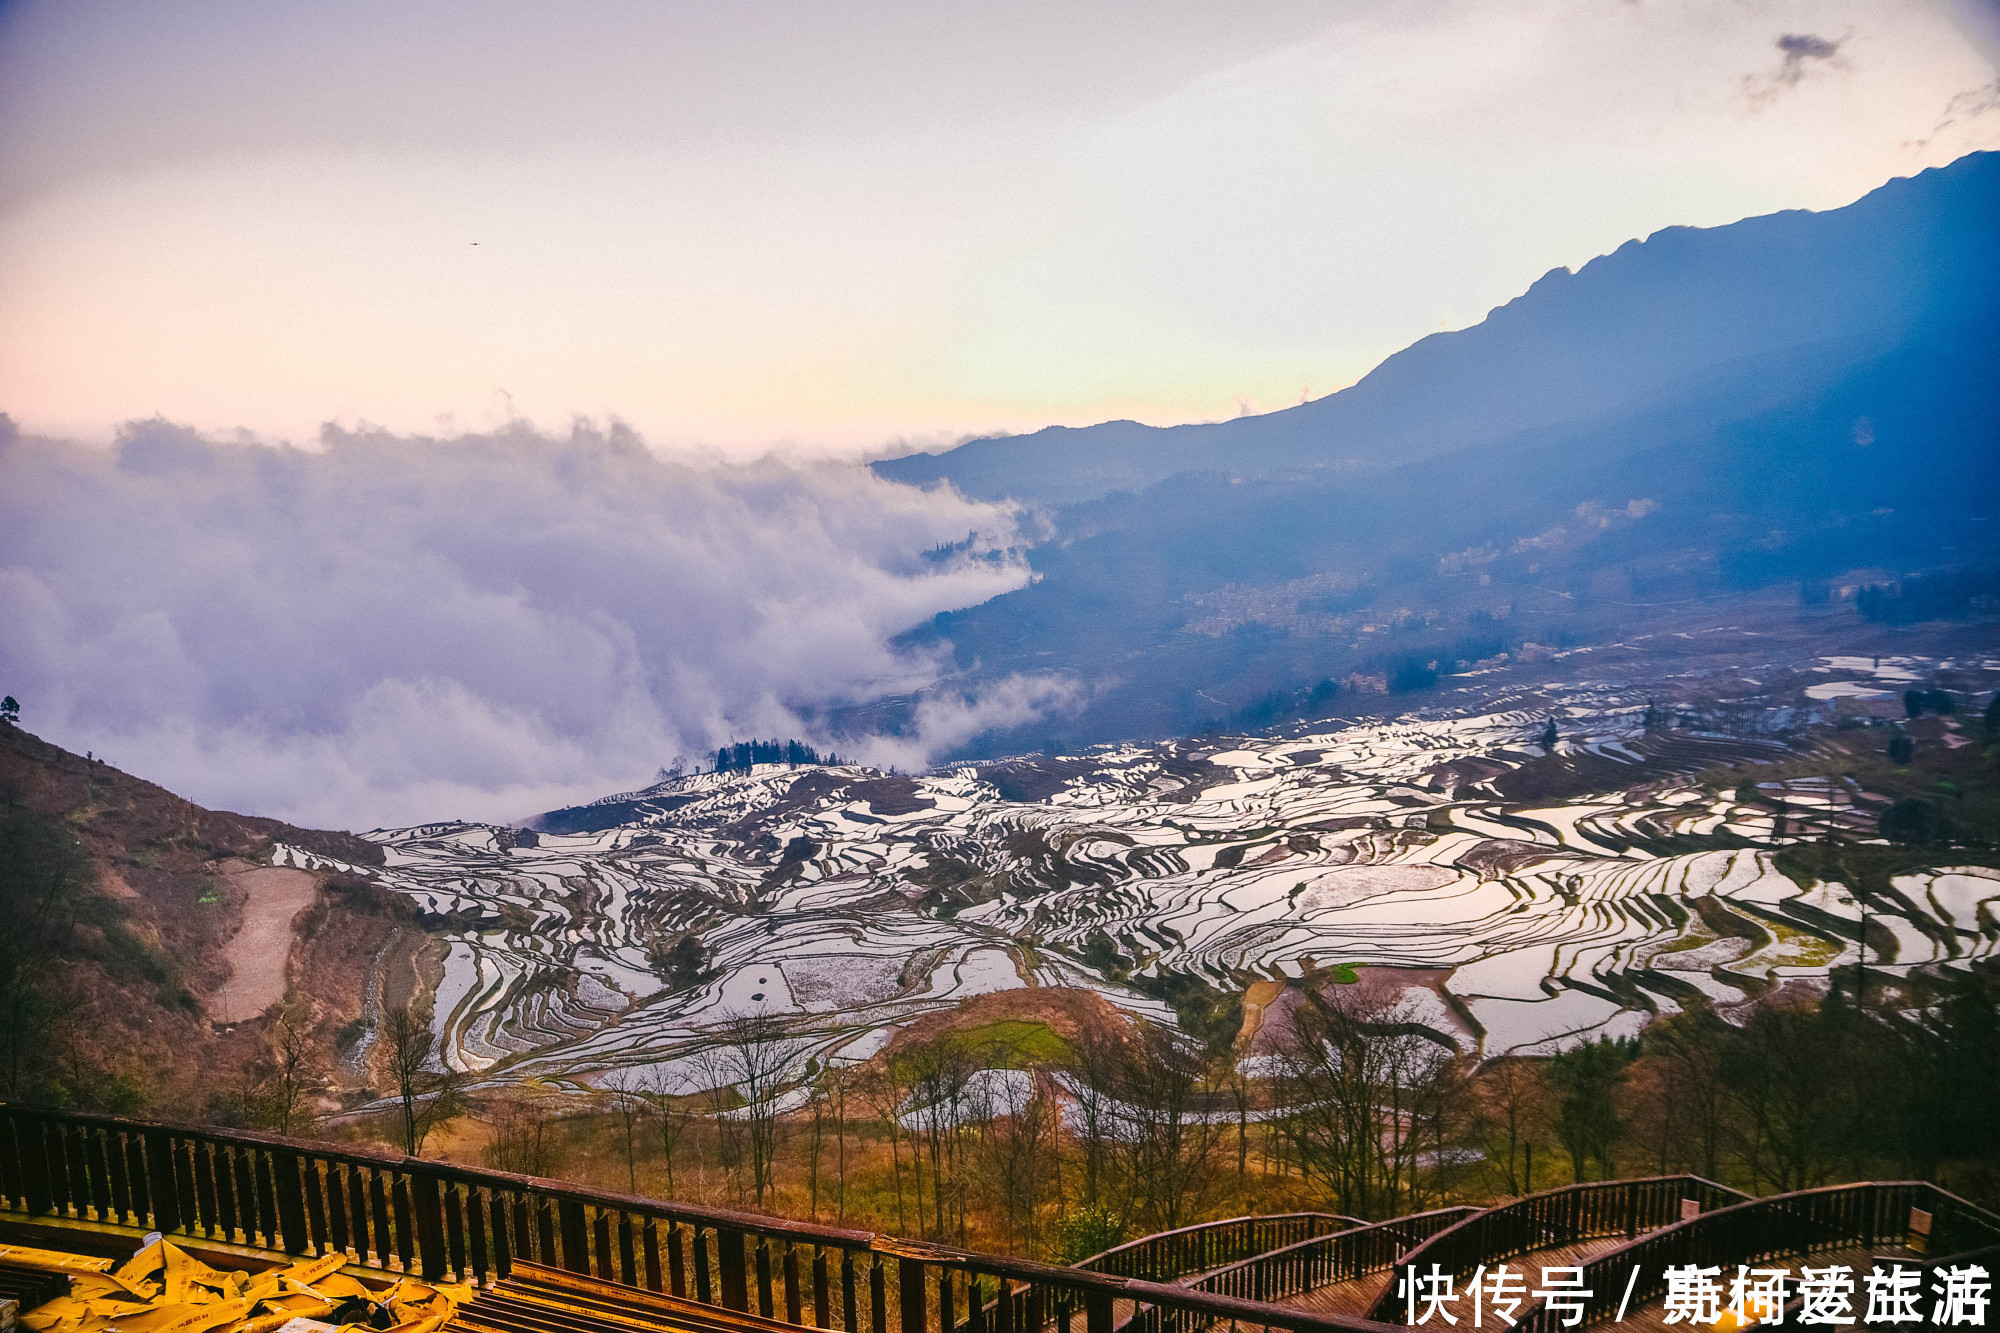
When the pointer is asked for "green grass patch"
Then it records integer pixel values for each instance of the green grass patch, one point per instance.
(1017, 1043)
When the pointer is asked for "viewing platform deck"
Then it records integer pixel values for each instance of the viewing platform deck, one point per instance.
(259, 1220)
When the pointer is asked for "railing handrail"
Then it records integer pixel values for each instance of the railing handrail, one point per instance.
(1160, 1238)
(1097, 1289)
(1279, 1255)
(1443, 1240)
(1536, 1318)
(463, 1173)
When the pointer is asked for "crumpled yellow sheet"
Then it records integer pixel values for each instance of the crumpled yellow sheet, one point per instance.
(164, 1289)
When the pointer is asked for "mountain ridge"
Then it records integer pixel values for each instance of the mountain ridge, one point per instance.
(1796, 466)
(1572, 346)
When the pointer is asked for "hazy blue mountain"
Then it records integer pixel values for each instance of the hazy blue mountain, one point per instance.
(1794, 468)
(1794, 400)
(1624, 331)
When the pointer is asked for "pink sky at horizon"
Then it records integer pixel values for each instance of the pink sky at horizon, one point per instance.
(751, 228)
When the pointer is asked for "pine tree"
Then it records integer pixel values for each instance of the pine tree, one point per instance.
(1549, 737)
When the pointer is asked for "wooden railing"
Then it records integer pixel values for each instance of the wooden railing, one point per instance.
(1801, 1224)
(1168, 1256)
(405, 1214)
(1325, 1260)
(1556, 1217)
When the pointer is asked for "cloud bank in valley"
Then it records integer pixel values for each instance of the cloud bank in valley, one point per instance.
(386, 630)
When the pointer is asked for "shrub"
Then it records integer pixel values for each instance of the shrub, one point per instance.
(1087, 1231)
(1911, 820)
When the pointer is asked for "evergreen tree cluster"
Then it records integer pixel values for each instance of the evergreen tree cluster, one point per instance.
(1901, 748)
(1918, 702)
(1278, 705)
(1412, 675)
(740, 757)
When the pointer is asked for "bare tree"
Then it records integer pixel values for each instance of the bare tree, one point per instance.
(886, 1094)
(430, 1094)
(721, 1098)
(1017, 1150)
(1362, 1099)
(938, 1073)
(1691, 1046)
(1096, 1058)
(294, 1070)
(1170, 1133)
(826, 1117)
(670, 1114)
(817, 1117)
(1657, 1121)
(839, 1080)
(748, 1066)
(1242, 1095)
(1791, 1072)
(626, 1095)
(1514, 1108)
(525, 1138)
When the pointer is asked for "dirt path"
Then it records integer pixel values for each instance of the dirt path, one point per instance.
(257, 953)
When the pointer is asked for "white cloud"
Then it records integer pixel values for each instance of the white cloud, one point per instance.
(945, 720)
(387, 630)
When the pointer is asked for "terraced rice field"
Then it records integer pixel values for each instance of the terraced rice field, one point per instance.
(848, 902)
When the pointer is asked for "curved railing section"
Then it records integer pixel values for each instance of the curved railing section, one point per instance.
(1168, 1256)
(1800, 1224)
(1326, 1260)
(1557, 1217)
(405, 1214)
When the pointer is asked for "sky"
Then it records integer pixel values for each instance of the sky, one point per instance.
(848, 230)
(441, 410)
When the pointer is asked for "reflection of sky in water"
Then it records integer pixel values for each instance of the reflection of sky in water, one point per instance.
(1286, 863)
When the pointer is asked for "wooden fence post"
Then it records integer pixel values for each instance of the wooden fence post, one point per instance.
(910, 1288)
(160, 1181)
(735, 1281)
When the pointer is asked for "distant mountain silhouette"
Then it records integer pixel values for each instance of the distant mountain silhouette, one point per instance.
(1606, 340)
(1804, 398)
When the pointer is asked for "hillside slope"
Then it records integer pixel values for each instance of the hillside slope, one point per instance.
(1575, 347)
(130, 916)
(1182, 606)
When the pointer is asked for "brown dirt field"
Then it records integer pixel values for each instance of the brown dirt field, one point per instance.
(273, 897)
(1255, 1001)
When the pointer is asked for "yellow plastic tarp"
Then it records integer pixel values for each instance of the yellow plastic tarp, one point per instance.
(164, 1289)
